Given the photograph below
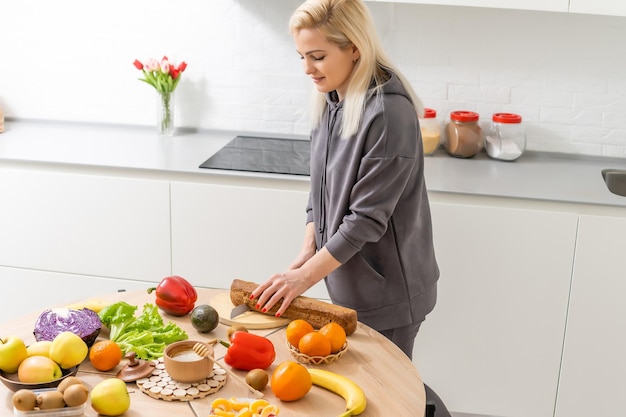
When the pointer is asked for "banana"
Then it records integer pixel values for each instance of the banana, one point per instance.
(346, 388)
(94, 304)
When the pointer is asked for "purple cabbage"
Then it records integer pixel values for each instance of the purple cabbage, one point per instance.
(84, 322)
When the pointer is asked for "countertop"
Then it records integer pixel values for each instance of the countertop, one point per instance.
(536, 176)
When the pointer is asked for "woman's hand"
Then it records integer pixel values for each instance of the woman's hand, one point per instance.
(294, 282)
(285, 286)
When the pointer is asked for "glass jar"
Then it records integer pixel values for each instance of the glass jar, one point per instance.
(506, 139)
(431, 131)
(464, 137)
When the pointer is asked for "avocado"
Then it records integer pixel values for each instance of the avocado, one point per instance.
(204, 318)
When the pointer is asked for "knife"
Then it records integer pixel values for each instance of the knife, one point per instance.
(239, 310)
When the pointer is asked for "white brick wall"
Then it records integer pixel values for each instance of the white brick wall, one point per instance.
(72, 60)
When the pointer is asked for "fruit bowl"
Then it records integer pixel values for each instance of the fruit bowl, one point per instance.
(316, 360)
(12, 382)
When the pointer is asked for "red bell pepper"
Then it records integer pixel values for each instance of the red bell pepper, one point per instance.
(248, 351)
(175, 295)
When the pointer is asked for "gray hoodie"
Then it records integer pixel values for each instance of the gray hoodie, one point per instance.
(370, 208)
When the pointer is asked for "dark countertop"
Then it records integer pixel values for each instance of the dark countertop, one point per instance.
(536, 176)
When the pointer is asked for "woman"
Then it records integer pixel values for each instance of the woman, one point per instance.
(368, 231)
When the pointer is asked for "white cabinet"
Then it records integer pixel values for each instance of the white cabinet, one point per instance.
(545, 5)
(224, 232)
(34, 291)
(493, 343)
(85, 224)
(606, 7)
(594, 356)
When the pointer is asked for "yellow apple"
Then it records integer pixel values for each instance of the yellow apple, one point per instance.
(12, 353)
(68, 349)
(38, 369)
(40, 348)
(110, 397)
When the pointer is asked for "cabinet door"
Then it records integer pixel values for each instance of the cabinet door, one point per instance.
(34, 291)
(82, 224)
(606, 7)
(493, 343)
(224, 232)
(546, 5)
(594, 364)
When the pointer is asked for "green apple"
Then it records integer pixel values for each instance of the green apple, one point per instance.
(68, 349)
(110, 397)
(38, 369)
(12, 353)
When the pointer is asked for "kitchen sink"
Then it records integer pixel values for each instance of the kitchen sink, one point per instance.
(615, 180)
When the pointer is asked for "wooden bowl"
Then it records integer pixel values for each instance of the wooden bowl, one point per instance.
(12, 382)
(184, 365)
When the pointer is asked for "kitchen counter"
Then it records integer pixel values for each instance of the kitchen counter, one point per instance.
(391, 383)
(535, 176)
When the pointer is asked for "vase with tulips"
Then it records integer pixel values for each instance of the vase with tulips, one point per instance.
(164, 77)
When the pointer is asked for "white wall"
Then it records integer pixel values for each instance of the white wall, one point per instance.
(72, 60)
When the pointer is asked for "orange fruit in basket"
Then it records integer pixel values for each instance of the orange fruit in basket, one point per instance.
(315, 344)
(296, 329)
(290, 381)
(336, 334)
(105, 355)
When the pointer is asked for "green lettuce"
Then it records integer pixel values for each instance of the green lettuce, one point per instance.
(146, 335)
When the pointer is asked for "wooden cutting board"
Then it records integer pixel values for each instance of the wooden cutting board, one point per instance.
(249, 319)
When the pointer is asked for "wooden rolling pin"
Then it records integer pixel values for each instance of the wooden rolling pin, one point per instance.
(316, 312)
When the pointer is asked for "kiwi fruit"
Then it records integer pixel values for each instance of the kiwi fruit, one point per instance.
(235, 328)
(75, 395)
(24, 400)
(257, 379)
(50, 399)
(70, 380)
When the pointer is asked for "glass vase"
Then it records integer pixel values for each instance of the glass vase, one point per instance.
(165, 113)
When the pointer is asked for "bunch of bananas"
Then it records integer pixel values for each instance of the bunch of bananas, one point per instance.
(345, 387)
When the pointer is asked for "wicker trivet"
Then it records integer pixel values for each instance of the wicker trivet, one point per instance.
(162, 387)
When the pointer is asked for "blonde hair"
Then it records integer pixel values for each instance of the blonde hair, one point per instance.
(346, 23)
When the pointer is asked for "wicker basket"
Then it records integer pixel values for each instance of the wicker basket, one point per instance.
(316, 360)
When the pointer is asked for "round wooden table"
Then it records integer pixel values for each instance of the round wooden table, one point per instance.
(389, 379)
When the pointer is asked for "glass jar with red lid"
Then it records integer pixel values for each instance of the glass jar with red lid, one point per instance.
(464, 136)
(505, 140)
(431, 131)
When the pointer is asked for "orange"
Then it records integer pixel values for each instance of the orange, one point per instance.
(296, 329)
(105, 355)
(336, 334)
(315, 344)
(290, 381)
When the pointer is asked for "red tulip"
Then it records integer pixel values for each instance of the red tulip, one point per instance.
(138, 64)
(182, 66)
(174, 73)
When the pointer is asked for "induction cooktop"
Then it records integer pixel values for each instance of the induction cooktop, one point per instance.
(257, 154)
